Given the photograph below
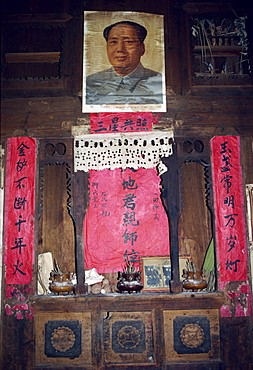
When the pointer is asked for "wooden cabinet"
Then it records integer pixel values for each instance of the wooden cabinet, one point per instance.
(122, 331)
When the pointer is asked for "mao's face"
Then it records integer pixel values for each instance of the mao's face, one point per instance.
(124, 49)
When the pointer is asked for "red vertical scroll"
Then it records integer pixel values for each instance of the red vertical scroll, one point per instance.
(19, 209)
(230, 223)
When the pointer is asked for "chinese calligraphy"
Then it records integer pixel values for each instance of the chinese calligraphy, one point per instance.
(230, 228)
(125, 215)
(120, 122)
(229, 200)
(20, 201)
(129, 217)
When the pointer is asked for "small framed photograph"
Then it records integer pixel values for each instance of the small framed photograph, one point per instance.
(156, 272)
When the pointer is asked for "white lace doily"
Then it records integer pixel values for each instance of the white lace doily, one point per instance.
(121, 150)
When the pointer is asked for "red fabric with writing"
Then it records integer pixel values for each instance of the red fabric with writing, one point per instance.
(230, 223)
(104, 123)
(125, 215)
(19, 209)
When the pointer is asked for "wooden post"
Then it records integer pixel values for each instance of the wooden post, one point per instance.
(77, 210)
(170, 182)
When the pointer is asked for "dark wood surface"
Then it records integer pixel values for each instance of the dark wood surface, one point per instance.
(78, 209)
(134, 301)
(157, 310)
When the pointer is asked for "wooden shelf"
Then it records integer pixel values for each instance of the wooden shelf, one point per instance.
(219, 51)
(39, 57)
(37, 18)
(125, 302)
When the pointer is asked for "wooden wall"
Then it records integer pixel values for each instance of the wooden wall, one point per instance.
(50, 108)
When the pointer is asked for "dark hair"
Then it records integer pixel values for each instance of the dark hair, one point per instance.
(141, 31)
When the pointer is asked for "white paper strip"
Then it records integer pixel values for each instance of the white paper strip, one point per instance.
(121, 150)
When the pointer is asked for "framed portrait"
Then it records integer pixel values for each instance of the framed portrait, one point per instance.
(120, 72)
(156, 272)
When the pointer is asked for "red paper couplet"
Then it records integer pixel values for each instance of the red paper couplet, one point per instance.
(125, 216)
(104, 123)
(230, 223)
(19, 209)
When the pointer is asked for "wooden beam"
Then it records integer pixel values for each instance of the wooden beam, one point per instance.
(39, 57)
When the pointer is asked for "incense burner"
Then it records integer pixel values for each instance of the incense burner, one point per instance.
(61, 282)
(194, 281)
(129, 282)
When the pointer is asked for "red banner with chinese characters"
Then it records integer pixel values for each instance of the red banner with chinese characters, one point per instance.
(230, 223)
(125, 216)
(19, 209)
(104, 123)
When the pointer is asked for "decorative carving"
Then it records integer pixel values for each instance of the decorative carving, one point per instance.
(56, 228)
(128, 337)
(63, 338)
(192, 335)
(55, 149)
(54, 152)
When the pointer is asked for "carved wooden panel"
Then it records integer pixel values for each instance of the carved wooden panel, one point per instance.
(191, 335)
(57, 225)
(63, 339)
(195, 230)
(128, 337)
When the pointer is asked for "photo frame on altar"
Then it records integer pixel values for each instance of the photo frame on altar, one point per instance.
(141, 86)
(156, 272)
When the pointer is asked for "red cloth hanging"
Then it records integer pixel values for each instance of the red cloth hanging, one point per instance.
(125, 215)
